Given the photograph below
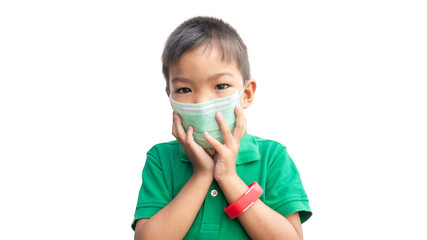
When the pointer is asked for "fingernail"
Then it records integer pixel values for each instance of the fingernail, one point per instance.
(220, 115)
(207, 135)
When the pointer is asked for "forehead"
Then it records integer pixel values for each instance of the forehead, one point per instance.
(204, 59)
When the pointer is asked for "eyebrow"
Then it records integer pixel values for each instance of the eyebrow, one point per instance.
(211, 78)
(179, 79)
(218, 75)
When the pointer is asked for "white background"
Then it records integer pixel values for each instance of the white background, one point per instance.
(342, 84)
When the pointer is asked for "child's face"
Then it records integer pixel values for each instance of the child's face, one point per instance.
(201, 75)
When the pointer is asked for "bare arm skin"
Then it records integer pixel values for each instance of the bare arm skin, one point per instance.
(259, 221)
(175, 219)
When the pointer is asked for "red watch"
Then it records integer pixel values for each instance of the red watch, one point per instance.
(245, 201)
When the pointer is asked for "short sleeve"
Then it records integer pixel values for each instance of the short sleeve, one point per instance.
(284, 190)
(154, 194)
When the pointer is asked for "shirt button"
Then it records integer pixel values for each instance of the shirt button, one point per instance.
(214, 193)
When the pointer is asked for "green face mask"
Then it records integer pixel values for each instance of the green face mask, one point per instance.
(201, 116)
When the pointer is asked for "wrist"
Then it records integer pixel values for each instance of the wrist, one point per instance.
(226, 179)
(245, 201)
(233, 187)
(203, 175)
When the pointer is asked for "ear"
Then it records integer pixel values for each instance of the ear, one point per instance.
(248, 93)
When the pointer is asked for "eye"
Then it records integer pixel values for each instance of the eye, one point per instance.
(221, 86)
(183, 90)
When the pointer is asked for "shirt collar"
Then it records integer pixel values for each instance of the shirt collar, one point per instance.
(248, 151)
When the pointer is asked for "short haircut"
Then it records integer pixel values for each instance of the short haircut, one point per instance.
(210, 31)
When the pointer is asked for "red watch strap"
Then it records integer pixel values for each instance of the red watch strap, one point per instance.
(245, 201)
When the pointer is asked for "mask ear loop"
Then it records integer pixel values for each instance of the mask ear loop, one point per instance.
(241, 92)
(244, 87)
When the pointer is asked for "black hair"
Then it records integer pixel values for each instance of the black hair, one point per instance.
(205, 30)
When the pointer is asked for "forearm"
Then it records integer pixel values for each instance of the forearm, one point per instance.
(176, 218)
(259, 221)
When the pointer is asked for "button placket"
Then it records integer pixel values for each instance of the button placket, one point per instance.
(212, 210)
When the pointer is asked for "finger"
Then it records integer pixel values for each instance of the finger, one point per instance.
(179, 129)
(226, 133)
(196, 149)
(240, 127)
(189, 138)
(173, 124)
(215, 143)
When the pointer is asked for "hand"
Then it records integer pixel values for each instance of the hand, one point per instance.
(226, 154)
(201, 161)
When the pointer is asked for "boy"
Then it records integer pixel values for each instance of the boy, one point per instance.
(197, 187)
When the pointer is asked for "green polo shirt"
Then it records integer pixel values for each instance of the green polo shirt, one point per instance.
(168, 168)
